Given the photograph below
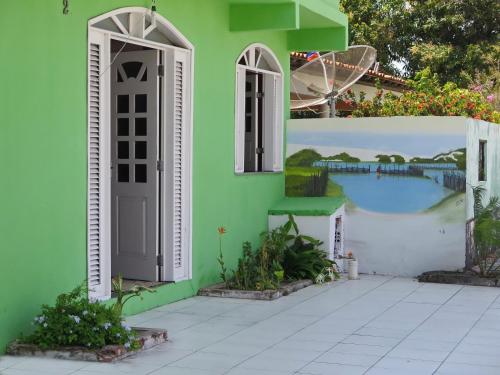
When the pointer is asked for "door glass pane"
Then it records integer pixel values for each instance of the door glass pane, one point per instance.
(141, 173)
(122, 104)
(141, 103)
(123, 127)
(141, 150)
(140, 126)
(132, 68)
(123, 150)
(123, 173)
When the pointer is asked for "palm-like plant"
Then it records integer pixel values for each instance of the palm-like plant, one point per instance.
(486, 232)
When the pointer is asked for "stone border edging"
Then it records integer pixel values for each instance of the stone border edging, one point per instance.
(219, 290)
(148, 337)
(447, 277)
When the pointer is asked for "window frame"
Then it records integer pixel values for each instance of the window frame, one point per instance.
(272, 161)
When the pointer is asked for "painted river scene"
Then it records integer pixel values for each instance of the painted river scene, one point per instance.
(396, 188)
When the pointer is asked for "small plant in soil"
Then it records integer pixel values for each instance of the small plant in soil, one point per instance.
(284, 254)
(75, 320)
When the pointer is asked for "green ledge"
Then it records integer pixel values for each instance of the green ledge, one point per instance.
(321, 206)
(310, 24)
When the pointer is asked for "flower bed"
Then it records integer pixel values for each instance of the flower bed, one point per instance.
(146, 339)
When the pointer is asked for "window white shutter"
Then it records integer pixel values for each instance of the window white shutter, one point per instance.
(97, 237)
(273, 123)
(178, 251)
(239, 154)
(278, 129)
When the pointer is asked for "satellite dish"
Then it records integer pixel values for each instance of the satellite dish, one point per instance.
(329, 75)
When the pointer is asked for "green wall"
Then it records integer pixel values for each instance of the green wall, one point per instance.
(43, 140)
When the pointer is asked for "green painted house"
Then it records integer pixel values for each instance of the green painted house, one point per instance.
(131, 130)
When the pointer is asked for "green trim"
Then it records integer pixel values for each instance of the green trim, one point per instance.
(329, 39)
(246, 17)
(321, 206)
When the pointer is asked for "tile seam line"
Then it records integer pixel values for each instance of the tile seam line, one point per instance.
(315, 321)
(371, 320)
(466, 334)
(426, 319)
(277, 313)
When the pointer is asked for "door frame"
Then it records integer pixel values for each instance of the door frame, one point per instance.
(105, 36)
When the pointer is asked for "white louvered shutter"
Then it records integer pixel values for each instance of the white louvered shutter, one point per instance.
(278, 129)
(239, 147)
(96, 274)
(178, 251)
(273, 123)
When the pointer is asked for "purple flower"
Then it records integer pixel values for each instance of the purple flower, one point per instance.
(107, 325)
(75, 318)
(490, 98)
(127, 345)
(126, 327)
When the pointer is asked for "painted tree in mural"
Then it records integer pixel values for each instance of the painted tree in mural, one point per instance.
(457, 39)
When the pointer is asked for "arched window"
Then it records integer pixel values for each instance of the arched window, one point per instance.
(139, 149)
(259, 111)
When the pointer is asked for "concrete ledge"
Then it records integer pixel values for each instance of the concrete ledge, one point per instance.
(449, 277)
(220, 290)
(148, 338)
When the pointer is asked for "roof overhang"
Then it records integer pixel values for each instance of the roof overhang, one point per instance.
(310, 24)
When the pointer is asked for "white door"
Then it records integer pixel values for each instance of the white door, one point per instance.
(134, 156)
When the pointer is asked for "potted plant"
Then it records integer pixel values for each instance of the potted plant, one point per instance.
(352, 267)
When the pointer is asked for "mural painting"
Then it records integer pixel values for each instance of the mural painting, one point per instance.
(404, 185)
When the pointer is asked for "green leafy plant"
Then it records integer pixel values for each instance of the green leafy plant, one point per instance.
(284, 254)
(304, 259)
(75, 320)
(220, 259)
(123, 296)
(486, 232)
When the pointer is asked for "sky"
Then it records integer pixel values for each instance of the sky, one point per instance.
(424, 145)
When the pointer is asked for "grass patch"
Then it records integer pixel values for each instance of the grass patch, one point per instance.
(445, 202)
(296, 178)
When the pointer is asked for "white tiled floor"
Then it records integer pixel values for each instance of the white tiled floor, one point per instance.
(376, 326)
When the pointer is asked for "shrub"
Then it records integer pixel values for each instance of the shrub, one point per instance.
(428, 98)
(76, 321)
(281, 255)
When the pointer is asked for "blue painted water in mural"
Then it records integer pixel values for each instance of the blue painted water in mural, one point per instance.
(393, 194)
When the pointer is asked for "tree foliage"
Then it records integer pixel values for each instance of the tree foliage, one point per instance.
(303, 158)
(457, 39)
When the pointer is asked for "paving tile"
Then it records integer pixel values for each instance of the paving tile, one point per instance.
(376, 326)
(348, 359)
(267, 363)
(8, 361)
(208, 361)
(173, 370)
(371, 340)
(316, 368)
(449, 368)
(406, 366)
